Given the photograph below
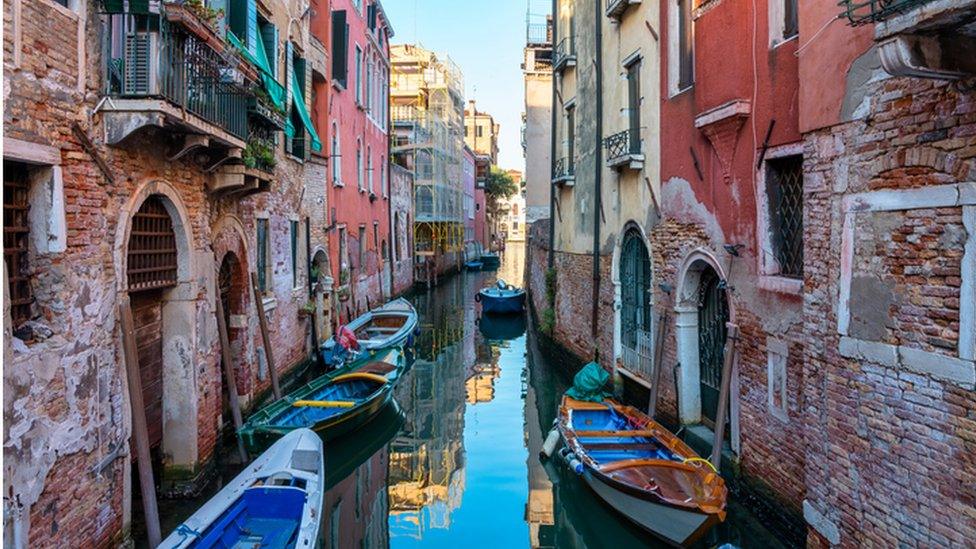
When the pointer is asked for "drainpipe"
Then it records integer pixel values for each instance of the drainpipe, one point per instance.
(598, 171)
(552, 141)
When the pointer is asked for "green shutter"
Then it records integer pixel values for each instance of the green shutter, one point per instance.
(237, 17)
(252, 26)
(289, 72)
(340, 47)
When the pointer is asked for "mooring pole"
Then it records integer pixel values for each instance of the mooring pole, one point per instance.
(662, 333)
(229, 378)
(723, 394)
(266, 337)
(140, 431)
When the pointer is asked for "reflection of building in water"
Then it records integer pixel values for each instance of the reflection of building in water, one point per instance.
(539, 512)
(512, 268)
(356, 508)
(480, 387)
(426, 478)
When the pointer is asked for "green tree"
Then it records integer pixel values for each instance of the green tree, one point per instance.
(499, 184)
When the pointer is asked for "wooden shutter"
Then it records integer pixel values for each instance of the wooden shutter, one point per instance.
(269, 35)
(152, 256)
(289, 69)
(340, 47)
(252, 26)
(237, 18)
(136, 64)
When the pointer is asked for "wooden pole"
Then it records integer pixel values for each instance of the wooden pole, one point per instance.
(266, 337)
(658, 362)
(229, 379)
(140, 431)
(723, 394)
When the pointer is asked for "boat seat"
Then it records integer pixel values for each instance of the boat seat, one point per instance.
(613, 434)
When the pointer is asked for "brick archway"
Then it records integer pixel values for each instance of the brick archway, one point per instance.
(231, 262)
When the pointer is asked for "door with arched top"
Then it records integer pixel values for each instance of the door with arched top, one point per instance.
(635, 298)
(713, 315)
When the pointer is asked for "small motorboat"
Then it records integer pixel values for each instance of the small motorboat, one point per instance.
(474, 265)
(501, 298)
(331, 405)
(275, 502)
(491, 261)
(391, 325)
(642, 470)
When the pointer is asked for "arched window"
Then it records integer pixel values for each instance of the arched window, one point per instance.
(359, 163)
(635, 289)
(336, 156)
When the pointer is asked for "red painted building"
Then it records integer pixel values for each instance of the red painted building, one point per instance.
(355, 119)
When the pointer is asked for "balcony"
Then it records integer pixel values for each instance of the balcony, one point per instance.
(623, 150)
(564, 172)
(564, 55)
(616, 8)
(920, 38)
(171, 70)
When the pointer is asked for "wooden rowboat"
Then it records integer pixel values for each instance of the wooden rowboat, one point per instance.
(391, 325)
(501, 298)
(276, 501)
(331, 405)
(642, 470)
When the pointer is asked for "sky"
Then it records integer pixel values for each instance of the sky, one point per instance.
(485, 38)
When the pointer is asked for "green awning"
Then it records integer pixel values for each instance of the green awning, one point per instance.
(275, 90)
(299, 102)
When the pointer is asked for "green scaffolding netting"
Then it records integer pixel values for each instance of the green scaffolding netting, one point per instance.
(299, 102)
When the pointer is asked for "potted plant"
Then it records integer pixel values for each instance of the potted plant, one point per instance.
(306, 310)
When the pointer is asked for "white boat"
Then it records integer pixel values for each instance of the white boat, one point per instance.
(276, 502)
(391, 325)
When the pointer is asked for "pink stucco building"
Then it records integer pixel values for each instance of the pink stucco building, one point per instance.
(356, 123)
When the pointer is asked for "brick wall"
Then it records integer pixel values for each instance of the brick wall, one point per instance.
(891, 454)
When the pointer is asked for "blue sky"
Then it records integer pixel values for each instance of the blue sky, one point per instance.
(485, 38)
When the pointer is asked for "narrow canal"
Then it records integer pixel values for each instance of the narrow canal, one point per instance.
(455, 459)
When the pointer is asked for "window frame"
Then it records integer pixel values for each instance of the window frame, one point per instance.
(676, 84)
(770, 277)
(265, 272)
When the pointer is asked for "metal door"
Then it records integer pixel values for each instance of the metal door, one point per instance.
(635, 284)
(713, 314)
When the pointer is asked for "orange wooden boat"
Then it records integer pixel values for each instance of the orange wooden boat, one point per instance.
(642, 470)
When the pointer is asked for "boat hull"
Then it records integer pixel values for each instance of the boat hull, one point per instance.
(403, 336)
(502, 305)
(679, 527)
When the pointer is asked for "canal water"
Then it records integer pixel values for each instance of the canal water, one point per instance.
(455, 459)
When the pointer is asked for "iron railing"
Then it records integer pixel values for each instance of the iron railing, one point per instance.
(860, 12)
(622, 144)
(639, 359)
(564, 169)
(538, 33)
(563, 53)
(152, 58)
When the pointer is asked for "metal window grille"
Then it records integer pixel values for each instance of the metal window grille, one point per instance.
(784, 185)
(622, 143)
(152, 256)
(860, 12)
(713, 314)
(16, 231)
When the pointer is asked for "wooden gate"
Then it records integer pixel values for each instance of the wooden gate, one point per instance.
(713, 314)
(151, 268)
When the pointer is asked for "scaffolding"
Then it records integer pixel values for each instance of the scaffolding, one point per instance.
(427, 93)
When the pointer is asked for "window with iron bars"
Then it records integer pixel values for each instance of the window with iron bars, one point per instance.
(16, 231)
(784, 188)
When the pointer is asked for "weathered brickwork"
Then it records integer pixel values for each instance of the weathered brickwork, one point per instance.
(66, 482)
(891, 451)
(401, 204)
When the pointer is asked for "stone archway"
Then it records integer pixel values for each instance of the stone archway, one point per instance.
(701, 310)
(233, 285)
(155, 222)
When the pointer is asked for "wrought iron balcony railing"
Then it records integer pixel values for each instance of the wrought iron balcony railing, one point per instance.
(564, 54)
(860, 12)
(615, 8)
(564, 170)
(152, 58)
(622, 145)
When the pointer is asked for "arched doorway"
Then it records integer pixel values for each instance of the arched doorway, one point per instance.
(151, 270)
(702, 312)
(635, 295)
(322, 286)
(713, 315)
(231, 288)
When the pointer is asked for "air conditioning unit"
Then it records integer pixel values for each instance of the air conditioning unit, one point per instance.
(141, 64)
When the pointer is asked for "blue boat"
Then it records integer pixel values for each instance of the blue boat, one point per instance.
(275, 502)
(473, 265)
(491, 261)
(383, 328)
(502, 298)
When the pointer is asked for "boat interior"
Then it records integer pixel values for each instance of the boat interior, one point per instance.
(349, 390)
(381, 326)
(268, 514)
(609, 436)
